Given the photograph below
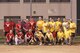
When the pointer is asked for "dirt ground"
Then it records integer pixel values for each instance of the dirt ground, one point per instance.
(39, 49)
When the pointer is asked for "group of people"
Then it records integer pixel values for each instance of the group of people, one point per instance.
(41, 32)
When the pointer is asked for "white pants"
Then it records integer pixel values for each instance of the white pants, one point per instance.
(18, 41)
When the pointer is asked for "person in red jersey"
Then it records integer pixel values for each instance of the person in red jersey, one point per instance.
(23, 26)
(29, 38)
(18, 26)
(10, 38)
(7, 26)
(33, 25)
(27, 26)
(19, 38)
(54, 36)
(13, 26)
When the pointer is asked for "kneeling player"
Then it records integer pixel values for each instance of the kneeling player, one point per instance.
(49, 38)
(19, 38)
(60, 35)
(39, 37)
(29, 38)
(10, 38)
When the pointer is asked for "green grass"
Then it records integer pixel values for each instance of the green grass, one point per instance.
(77, 39)
(2, 40)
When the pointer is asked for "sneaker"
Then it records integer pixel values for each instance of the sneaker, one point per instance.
(49, 44)
(40, 43)
(62, 44)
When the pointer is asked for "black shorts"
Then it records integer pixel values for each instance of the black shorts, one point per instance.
(5, 33)
(73, 35)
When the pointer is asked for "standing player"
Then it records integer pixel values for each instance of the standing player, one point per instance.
(33, 25)
(12, 26)
(45, 27)
(23, 26)
(65, 25)
(26, 26)
(58, 24)
(52, 25)
(7, 26)
(39, 24)
(73, 30)
(18, 26)
(10, 38)
(52, 29)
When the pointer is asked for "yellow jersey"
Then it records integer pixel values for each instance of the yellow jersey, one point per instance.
(73, 27)
(45, 27)
(58, 25)
(39, 34)
(67, 34)
(64, 25)
(49, 35)
(60, 35)
(40, 24)
(52, 26)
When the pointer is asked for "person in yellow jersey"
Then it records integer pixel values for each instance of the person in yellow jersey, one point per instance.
(58, 24)
(45, 27)
(49, 38)
(52, 25)
(73, 30)
(65, 24)
(39, 24)
(68, 36)
(52, 29)
(60, 35)
(38, 37)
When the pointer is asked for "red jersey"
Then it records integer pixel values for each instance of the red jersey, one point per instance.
(18, 27)
(20, 35)
(9, 36)
(12, 25)
(54, 34)
(27, 26)
(33, 24)
(29, 34)
(7, 26)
